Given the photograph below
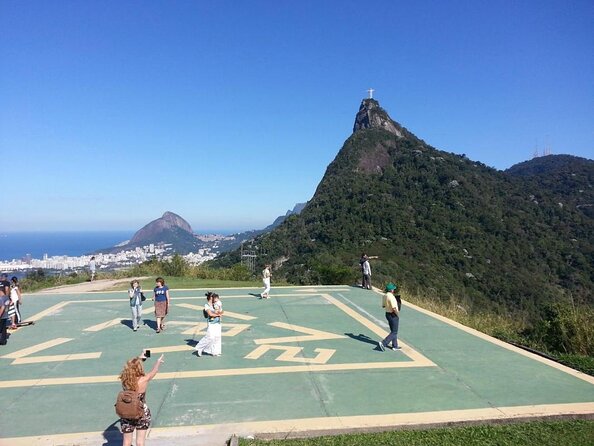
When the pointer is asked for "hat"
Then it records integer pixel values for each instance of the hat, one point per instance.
(391, 287)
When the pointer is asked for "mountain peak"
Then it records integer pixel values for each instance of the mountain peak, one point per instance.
(372, 116)
(172, 220)
(160, 227)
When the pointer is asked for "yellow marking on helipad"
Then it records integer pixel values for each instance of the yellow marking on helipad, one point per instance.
(104, 325)
(290, 354)
(170, 349)
(214, 373)
(231, 314)
(23, 356)
(56, 358)
(47, 311)
(229, 329)
(292, 428)
(311, 334)
(241, 317)
(37, 348)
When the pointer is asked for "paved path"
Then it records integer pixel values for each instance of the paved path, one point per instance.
(303, 361)
(87, 287)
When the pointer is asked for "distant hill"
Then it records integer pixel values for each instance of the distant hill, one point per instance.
(440, 223)
(242, 237)
(567, 178)
(169, 229)
(173, 230)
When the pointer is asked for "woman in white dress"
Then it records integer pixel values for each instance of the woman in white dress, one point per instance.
(213, 330)
(217, 348)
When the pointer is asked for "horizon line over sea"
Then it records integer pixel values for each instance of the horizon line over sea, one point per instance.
(18, 244)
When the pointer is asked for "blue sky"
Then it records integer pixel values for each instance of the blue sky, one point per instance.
(228, 113)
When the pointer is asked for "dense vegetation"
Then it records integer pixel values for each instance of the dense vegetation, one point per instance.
(517, 244)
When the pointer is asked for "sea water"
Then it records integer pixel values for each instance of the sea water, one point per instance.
(16, 245)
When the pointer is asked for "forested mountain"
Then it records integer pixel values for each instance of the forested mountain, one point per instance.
(440, 223)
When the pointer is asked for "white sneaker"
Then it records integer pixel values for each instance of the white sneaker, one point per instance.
(380, 344)
(199, 353)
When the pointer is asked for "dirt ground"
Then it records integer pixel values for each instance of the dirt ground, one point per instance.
(86, 287)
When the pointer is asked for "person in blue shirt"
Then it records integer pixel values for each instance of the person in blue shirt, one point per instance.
(161, 299)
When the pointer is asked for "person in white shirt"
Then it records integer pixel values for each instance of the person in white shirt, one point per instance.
(266, 274)
(92, 268)
(15, 298)
(135, 295)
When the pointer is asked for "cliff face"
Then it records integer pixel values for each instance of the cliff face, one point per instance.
(372, 116)
(155, 229)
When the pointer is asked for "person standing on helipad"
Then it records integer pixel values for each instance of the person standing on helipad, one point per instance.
(390, 304)
(266, 274)
(92, 268)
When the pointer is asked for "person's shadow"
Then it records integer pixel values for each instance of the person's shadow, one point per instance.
(362, 338)
(112, 435)
(150, 323)
(191, 342)
(127, 323)
(258, 295)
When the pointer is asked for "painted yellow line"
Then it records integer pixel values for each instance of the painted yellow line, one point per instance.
(321, 424)
(387, 421)
(37, 348)
(290, 354)
(56, 358)
(241, 317)
(380, 332)
(48, 311)
(231, 314)
(171, 349)
(311, 334)
(58, 381)
(104, 325)
(219, 372)
(478, 334)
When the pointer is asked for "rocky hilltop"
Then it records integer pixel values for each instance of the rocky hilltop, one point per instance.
(170, 229)
(160, 227)
(440, 223)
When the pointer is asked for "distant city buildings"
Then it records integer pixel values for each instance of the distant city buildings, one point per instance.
(118, 260)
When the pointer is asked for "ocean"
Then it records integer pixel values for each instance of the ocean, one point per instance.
(16, 245)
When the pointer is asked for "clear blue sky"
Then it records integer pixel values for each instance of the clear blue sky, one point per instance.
(228, 113)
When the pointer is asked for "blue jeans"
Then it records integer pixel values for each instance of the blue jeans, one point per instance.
(393, 321)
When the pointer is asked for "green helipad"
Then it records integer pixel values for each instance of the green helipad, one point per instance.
(304, 360)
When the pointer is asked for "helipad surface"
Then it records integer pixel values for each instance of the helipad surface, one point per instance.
(304, 360)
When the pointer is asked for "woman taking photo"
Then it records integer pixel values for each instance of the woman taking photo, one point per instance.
(134, 378)
(161, 303)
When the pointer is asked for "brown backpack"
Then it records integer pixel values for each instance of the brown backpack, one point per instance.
(128, 405)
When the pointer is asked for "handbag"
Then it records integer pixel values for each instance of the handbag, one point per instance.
(142, 297)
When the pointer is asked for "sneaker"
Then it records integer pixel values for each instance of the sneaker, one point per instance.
(380, 344)
(396, 348)
(135, 329)
(199, 353)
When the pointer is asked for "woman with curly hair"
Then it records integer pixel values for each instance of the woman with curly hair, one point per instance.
(134, 378)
